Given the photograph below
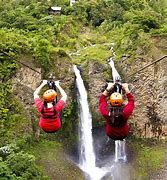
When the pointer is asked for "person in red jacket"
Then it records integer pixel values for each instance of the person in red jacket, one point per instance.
(49, 110)
(117, 114)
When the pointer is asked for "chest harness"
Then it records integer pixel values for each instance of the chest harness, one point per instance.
(116, 118)
(48, 115)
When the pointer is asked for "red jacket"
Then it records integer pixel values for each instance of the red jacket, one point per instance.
(116, 132)
(50, 125)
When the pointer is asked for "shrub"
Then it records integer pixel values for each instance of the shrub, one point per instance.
(18, 164)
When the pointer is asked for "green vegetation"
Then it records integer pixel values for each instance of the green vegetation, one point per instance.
(90, 54)
(16, 164)
(132, 24)
(52, 157)
(81, 33)
(150, 157)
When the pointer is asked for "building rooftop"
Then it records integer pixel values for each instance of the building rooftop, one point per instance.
(56, 8)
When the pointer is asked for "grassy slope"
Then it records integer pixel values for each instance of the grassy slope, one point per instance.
(145, 160)
(149, 157)
(54, 162)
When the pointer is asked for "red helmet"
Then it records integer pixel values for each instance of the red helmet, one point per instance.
(49, 95)
(116, 99)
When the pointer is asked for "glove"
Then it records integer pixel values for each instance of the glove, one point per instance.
(44, 82)
(57, 83)
(125, 87)
(110, 86)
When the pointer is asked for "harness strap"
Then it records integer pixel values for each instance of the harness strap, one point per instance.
(117, 125)
(49, 116)
(116, 119)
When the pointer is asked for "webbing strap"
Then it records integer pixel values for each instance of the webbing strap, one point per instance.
(116, 119)
(52, 116)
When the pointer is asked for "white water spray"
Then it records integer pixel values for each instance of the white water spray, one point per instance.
(120, 150)
(119, 145)
(115, 74)
(87, 155)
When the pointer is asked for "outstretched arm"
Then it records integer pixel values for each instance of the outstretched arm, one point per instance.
(37, 91)
(62, 92)
(103, 105)
(110, 86)
(128, 109)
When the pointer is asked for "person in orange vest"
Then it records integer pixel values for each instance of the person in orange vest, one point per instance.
(116, 114)
(50, 109)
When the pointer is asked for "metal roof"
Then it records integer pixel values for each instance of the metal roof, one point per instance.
(55, 8)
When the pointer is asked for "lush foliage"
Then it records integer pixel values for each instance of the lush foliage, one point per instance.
(16, 164)
(132, 24)
(127, 23)
(83, 32)
(149, 157)
(27, 27)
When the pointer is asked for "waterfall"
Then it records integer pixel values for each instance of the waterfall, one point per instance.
(120, 150)
(87, 155)
(87, 159)
(119, 145)
(115, 74)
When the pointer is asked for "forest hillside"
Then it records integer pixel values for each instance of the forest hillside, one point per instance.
(38, 43)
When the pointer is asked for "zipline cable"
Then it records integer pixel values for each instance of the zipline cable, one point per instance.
(27, 66)
(165, 56)
(14, 59)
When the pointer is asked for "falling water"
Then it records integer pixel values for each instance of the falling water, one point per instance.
(115, 74)
(87, 155)
(119, 145)
(120, 150)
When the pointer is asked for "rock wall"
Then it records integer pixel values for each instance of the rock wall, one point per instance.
(95, 75)
(149, 87)
(27, 80)
(150, 115)
(24, 84)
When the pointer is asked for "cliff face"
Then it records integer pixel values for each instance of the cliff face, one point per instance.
(149, 87)
(24, 84)
(150, 115)
(26, 80)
